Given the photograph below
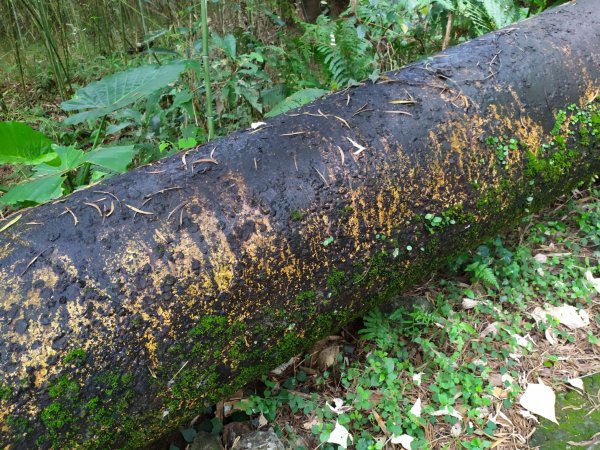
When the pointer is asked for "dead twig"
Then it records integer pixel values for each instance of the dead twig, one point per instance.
(34, 260)
(68, 210)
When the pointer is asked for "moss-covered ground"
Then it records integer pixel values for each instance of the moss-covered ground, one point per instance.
(578, 415)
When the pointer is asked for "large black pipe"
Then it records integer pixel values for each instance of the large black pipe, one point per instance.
(197, 274)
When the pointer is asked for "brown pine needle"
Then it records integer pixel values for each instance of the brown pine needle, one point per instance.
(75, 219)
(96, 207)
(139, 211)
(11, 223)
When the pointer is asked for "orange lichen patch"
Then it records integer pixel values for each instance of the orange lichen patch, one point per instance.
(524, 128)
(151, 347)
(6, 249)
(592, 91)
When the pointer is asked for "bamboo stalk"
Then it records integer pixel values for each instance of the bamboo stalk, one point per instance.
(207, 85)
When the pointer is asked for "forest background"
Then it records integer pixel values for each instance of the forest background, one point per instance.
(149, 80)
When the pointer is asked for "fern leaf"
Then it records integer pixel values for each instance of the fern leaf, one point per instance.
(296, 100)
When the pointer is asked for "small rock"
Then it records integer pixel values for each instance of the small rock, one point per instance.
(260, 440)
(233, 430)
(206, 441)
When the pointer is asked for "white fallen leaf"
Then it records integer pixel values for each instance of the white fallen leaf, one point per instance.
(492, 329)
(255, 125)
(506, 377)
(495, 379)
(469, 303)
(569, 316)
(311, 423)
(280, 369)
(501, 419)
(523, 341)
(339, 407)
(456, 430)
(416, 409)
(404, 440)
(527, 415)
(359, 147)
(417, 378)
(540, 271)
(577, 383)
(539, 315)
(165, 413)
(340, 436)
(595, 281)
(541, 258)
(540, 399)
(262, 420)
(447, 412)
(549, 333)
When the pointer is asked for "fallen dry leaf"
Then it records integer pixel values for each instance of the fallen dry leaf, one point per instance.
(567, 315)
(469, 303)
(328, 357)
(595, 281)
(280, 369)
(338, 407)
(456, 430)
(311, 423)
(492, 329)
(404, 440)
(541, 400)
(577, 383)
(446, 412)
(417, 378)
(416, 409)
(340, 436)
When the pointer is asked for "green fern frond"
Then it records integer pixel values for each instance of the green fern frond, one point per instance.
(483, 273)
(296, 100)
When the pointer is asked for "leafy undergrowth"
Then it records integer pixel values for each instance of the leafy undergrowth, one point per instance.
(474, 362)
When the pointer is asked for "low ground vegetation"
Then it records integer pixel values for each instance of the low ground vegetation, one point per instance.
(469, 360)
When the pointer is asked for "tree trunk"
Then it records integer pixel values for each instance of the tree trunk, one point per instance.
(199, 273)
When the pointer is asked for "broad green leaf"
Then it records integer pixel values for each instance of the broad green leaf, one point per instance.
(226, 43)
(296, 100)
(115, 158)
(120, 90)
(39, 190)
(185, 143)
(67, 159)
(252, 96)
(20, 144)
(114, 129)
(97, 175)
